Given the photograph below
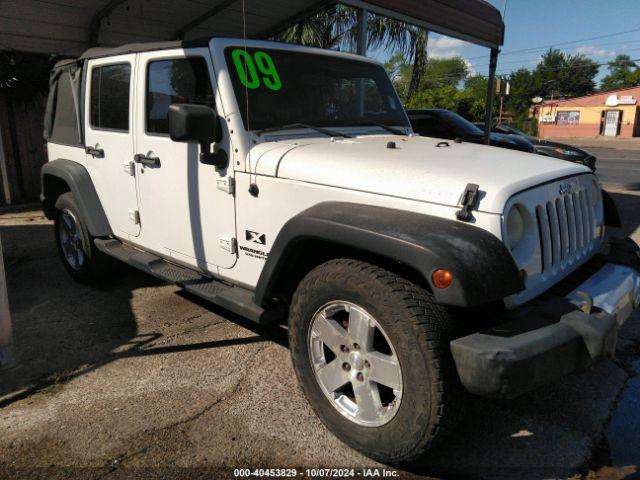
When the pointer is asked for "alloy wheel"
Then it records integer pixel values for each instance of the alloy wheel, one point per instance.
(355, 364)
(71, 239)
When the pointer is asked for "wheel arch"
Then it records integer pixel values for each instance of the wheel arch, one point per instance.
(410, 244)
(307, 253)
(61, 176)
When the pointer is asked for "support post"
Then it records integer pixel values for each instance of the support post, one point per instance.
(4, 172)
(361, 46)
(491, 90)
(361, 49)
(7, 359)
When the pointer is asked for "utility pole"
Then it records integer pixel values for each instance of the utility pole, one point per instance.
(502, 95)
(7, 359)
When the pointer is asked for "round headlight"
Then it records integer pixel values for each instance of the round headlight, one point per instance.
(515, 227)
(596, 194)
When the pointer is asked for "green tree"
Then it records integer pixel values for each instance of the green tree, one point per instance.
(473, 105)
(623, 73)
(468, 101)
(441, 72)
(523, 89)
(447, 97)
(559, 74)
(438, 72)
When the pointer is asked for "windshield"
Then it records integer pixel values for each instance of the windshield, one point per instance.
(285, 87)
(458, 125)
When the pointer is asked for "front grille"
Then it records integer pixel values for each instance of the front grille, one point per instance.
(567, 227)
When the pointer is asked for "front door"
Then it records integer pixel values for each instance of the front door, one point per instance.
(109, 140)
(186, 209)
(611, 123)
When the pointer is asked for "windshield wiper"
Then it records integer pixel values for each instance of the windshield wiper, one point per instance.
(291, 126)
(395, 131)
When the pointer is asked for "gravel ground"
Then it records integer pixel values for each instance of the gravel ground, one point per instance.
(136, 378)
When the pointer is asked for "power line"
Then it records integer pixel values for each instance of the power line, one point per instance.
(462, 76)
(543, 47)
(531, 59)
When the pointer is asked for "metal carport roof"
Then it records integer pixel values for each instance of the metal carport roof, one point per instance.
(68, 27)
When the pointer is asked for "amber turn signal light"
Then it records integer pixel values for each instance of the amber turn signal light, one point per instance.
(442, 278)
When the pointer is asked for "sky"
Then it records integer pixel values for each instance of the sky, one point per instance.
(542, 23)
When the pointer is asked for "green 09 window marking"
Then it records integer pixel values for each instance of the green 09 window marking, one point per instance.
(248, 68)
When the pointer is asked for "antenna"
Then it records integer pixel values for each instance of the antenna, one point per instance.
(253, 187)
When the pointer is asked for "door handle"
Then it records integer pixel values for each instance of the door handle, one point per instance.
(94, 152)
(146, 160)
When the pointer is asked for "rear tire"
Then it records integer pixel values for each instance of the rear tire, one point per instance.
(329, 304)
(84, 262)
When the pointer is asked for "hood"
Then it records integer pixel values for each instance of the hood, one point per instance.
(417, 169)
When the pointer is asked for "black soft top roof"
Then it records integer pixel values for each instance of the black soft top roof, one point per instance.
(99, 52)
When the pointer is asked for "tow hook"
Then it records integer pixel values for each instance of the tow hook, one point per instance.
(587, 302)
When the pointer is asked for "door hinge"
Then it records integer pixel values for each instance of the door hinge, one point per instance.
(228, 243)
(226, 184)
(129, 168)
(134, 216)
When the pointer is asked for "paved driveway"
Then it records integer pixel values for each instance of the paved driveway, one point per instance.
(618, 167)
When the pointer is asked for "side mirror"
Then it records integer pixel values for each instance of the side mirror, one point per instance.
(197, 123)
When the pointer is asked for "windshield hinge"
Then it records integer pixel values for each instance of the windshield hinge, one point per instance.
(468, 201)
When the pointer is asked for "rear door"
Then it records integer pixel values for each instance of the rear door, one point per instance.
(187, 207)
(109, 140)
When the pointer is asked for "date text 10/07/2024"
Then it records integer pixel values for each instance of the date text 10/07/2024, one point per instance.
(315, 473)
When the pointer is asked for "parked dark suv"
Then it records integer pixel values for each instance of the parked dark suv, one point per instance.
(550, 149)
(440, 123)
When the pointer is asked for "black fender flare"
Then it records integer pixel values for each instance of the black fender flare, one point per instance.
(80, 184)
(483, 269)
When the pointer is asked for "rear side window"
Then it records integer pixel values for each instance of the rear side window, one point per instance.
(65, 121)
(110, 97)
(184, 80)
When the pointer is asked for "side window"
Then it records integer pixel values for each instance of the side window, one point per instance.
(65, 122)
(110, 97)
(184, 80)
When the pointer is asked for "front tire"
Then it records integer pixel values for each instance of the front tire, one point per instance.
(82, 260)
(371, 352)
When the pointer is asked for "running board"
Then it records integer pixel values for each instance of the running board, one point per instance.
(236, 299)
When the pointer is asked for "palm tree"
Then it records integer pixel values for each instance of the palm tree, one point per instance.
(409, 40)
(331, 28)
(336, 27)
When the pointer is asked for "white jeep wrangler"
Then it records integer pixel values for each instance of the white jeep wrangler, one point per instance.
(285, 182)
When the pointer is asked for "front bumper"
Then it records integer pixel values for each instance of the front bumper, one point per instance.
(556, 334)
